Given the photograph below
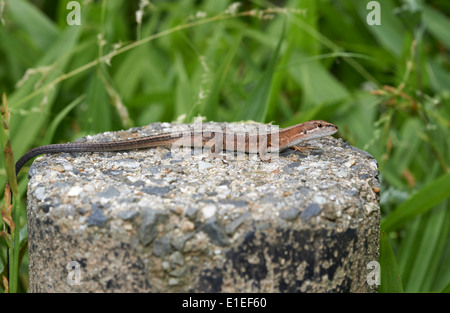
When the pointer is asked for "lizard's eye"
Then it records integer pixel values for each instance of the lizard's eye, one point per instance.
(319, 125)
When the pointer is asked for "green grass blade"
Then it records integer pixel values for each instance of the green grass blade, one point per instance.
(36, 24)
(446, 289)
(57, 120)
(130, 73)
(424, 261)
(438, 24)
(391, 31)
(439, 77)
(439, 270)
(14, 226)
(210, 106)
(405, 153)
(408, 248)
(258, 101)
(28, 126)
(318, 84)
(98, 116)
(390, 275)
(183, 92)
(423, 200)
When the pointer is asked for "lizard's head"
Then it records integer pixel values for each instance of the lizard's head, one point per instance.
(307, 131)
(317, 129)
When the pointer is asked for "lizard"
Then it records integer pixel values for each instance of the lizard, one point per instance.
(287, 137)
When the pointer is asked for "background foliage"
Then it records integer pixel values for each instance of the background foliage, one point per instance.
(387, 87)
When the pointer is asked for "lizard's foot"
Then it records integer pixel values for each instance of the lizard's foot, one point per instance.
(302, 149)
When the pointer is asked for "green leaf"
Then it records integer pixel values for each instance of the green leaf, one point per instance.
(423, 200)
(390, 276)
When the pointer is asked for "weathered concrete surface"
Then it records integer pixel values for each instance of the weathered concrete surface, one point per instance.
(151, 221)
